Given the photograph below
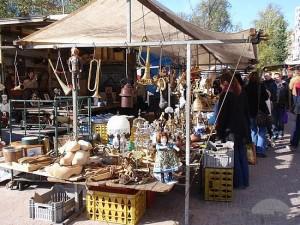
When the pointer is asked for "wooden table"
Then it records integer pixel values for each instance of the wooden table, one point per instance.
(154, 186)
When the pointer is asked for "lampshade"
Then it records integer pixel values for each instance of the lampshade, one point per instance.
(118, 125)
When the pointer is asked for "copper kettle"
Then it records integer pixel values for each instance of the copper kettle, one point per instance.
(127, 93)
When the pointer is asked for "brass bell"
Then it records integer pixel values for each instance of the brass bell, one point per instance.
(197, 104)
(127, 93)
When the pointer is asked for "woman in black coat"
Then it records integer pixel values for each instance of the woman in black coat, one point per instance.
(232, 124)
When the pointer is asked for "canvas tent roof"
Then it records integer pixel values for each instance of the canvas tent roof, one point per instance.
(105, 21)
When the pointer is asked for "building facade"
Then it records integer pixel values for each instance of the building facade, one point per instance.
(296, 36)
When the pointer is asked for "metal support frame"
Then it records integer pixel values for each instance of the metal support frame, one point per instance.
(75, 105)
(9, 119)
(187, 133)
(89, 118)
(131, 44)
(67, 99)
(55, 141)
(24, 116)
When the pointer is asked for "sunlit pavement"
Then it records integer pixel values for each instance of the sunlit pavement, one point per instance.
(273, 197)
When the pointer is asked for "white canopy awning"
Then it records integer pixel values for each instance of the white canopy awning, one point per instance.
(105, 22)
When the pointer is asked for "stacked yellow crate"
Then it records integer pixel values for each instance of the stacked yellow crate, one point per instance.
(116, 208)
(218, 184)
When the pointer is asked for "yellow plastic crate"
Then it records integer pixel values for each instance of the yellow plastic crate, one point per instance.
(116, 208)
(218, 184)
(101, 129)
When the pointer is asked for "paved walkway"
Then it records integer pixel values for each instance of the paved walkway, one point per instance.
(273, 198)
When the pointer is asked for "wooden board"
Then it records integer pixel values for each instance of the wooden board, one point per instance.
(155, 186)
(27, 167)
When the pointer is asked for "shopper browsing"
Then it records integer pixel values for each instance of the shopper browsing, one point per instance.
(280, 105)
(257, 96)
(295, 88)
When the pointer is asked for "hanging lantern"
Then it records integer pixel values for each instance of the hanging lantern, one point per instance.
(127, 93)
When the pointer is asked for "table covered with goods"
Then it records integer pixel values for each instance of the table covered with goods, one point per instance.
(125, 159)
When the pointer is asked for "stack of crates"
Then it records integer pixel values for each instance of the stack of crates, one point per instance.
(116, 206)
(218, 162)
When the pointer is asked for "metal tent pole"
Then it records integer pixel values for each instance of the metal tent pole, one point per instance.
(187, 134)
(75, 102)
(129, 21)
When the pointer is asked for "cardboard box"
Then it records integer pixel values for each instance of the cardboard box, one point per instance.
(33, 151)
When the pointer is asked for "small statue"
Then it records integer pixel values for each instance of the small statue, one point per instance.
(75, 65)
(4, 106)
(166, 161)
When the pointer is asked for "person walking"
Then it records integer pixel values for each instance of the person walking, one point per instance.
(232, 124)
(271, 87)
(280, 105)
(295, 88)
(257, 103)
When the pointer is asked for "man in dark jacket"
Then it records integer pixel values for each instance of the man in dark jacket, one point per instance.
(271, 87)
(279, 106)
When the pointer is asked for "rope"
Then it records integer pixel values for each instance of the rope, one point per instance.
(59, 60)
(17, 77)
(162, 33)
(160, 57)
(144, 39)
(144, 21)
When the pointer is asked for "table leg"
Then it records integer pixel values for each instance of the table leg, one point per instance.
(77, 192)
(12, 175)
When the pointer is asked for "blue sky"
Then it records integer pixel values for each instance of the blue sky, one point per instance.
(242, 12)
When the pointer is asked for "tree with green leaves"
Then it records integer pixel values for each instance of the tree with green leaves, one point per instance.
(14, 8)
(273, 23)
(213, 15)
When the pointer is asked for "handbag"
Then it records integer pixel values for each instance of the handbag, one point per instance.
(251, 153)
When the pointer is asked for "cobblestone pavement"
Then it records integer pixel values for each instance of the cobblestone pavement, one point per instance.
(273, 198)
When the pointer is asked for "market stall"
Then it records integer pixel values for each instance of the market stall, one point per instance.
(140, 153)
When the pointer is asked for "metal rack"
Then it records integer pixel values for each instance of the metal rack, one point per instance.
(50, 107)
